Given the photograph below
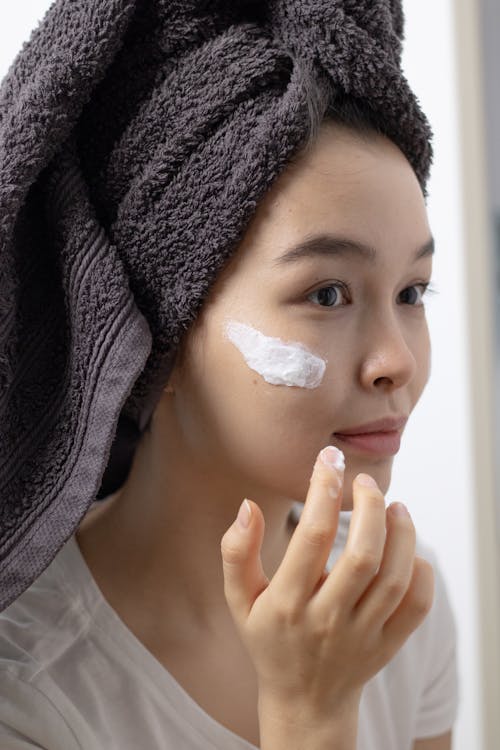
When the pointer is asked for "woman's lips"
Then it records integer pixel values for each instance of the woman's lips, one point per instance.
(374, 443)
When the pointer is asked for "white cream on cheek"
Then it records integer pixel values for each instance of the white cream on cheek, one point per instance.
(278, 362)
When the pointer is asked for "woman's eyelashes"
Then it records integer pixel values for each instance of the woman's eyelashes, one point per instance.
(330, 296)
(413, 295)
(338, 294)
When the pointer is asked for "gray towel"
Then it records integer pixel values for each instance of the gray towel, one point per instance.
(136, 138)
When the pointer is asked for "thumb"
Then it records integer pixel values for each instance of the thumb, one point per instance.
(244, 578)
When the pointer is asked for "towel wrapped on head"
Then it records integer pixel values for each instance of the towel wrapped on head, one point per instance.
(136, 140)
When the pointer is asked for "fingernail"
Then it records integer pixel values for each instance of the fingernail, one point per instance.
(366, 480)
(399, 509)
(333, 458)
(244, 514)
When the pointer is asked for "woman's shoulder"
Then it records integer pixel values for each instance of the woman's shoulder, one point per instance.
(34, 627)
(56, 602)
(35, 631)
(441, 614)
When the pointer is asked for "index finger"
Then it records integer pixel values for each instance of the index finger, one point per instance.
(306, 556)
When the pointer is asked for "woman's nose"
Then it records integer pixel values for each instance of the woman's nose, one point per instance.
(389, 362)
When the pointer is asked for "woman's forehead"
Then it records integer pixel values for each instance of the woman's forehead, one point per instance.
(346, 187)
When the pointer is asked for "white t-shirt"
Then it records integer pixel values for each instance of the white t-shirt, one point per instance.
(74, 677)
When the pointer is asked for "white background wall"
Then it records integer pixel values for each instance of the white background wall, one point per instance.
(490, 28)
(434, 472)
(445, 468)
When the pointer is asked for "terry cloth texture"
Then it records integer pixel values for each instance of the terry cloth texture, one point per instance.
(136, 139)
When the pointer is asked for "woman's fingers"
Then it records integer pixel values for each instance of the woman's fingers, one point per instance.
(303, 565)
(388, 588)
(377, 579)
(244, 578)
(362, 556)
(414, 606)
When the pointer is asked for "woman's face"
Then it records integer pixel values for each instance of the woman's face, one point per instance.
(353, 300)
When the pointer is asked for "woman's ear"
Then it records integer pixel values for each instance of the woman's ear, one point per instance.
(175, 377)
(193, 337)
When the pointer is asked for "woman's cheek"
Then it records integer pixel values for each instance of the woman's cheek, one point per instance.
(255, 407)
(276, 420)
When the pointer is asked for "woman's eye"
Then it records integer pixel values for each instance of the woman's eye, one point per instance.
(413, 295)
(328, 296)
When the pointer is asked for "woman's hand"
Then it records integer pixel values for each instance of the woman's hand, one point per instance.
(316, 638)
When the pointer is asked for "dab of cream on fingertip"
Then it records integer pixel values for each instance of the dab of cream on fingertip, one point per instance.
(333, 457)
(277, 361)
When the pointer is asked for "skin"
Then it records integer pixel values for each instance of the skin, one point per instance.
(221, 433)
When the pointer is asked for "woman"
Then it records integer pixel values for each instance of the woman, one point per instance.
(312, 336)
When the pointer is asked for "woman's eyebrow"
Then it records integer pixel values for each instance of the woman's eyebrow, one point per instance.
(328, 244)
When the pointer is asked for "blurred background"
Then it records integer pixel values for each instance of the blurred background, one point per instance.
(446, 469)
